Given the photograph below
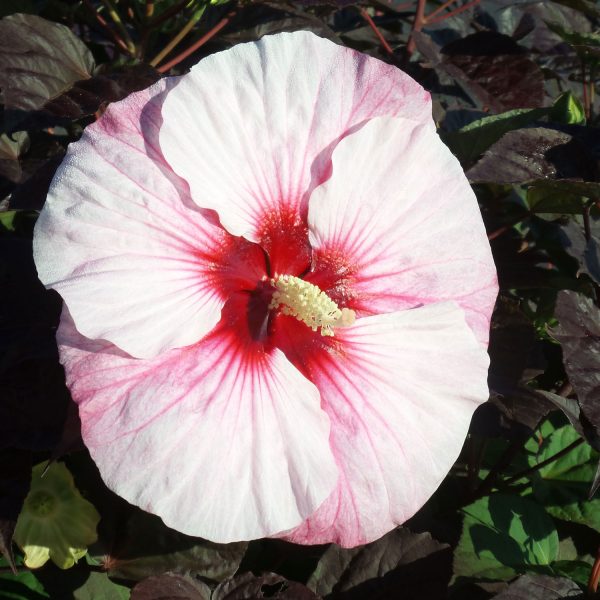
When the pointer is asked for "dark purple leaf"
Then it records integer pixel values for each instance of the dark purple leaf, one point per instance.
(532, 154)
(171, 551)
(513, 363)
(15, 479)
(269, 585)
(584, 246)
(70, 438)
(541, 587)
(400, 564)
(254, 21)
(579, 334)
(569, 407)
(468, 143)
(171, 586)
(87, 96)
(493, 68)
(39, 60)
(512, 337)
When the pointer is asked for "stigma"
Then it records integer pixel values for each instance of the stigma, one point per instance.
(309, 304)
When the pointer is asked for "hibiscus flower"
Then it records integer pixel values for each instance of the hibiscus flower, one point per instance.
(277, 291)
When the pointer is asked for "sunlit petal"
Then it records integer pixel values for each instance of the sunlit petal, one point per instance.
(402, 227)
(224, 439)
(400, 390)
(136, 262)
(261, 121)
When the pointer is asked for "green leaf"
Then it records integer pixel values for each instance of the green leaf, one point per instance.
(503, 535)
(23, 586)
(586, 45)
(468, 143)
(567, 109)
(560, 196)
(577, 570)
(11, 148)
(562, 487)
(98, 586)
(7, 219)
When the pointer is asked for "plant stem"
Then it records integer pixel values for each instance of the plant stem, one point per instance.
(417, 25)
(486, 486)
(501, 230)
(592, 91)
(452, 13)
(439, 9)
(114, 15)
(587, 226)
(594, 575)
(149, 8)
(549, 460)
(205, 38)
(175, 41)
(168, 13)
(102, 21)
(586, 100)
(367, 17)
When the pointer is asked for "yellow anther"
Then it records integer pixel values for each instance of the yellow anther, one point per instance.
(305, 301)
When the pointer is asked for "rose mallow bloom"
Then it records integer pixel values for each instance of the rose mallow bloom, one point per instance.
(277, 292)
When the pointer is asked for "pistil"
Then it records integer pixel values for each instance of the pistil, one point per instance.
(309, 304)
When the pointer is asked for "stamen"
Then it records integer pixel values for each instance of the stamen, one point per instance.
(309, 304)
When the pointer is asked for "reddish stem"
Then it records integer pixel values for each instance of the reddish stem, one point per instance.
(417, 25)
(205, 38)
(102, 21)
(439, 9)
(498, 232)
(586, 99)
(367, 17)
(452, 13)
(594, 575)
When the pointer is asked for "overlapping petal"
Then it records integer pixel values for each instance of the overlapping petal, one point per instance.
(137, 263)
(400, 390)
(401, 227)
(261, 122)
(224, 439)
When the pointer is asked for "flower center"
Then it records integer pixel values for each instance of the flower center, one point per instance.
(309, 304)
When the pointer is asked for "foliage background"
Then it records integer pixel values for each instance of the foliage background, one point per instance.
(514, 91)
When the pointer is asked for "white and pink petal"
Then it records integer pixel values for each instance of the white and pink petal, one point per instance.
(224, 439)
(400, 390)
(397, 226)
(136, 261)
(261, 120)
